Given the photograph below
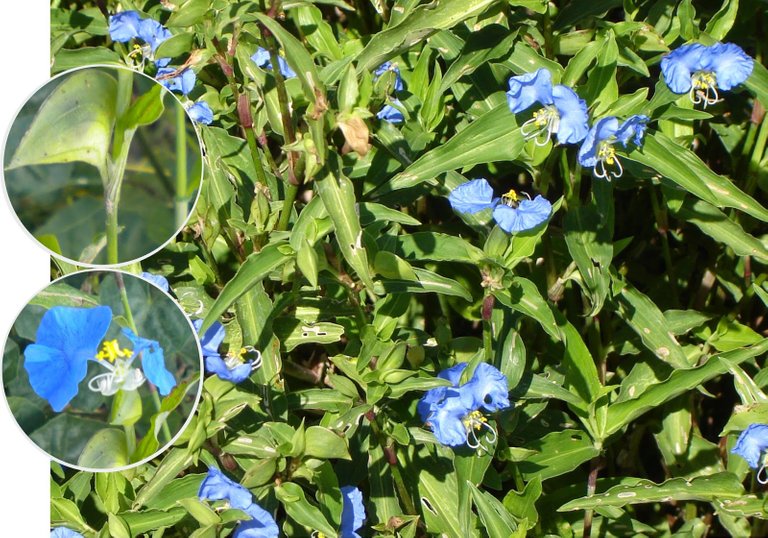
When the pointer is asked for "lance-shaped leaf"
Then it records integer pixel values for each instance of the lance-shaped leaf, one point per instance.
(74, 123)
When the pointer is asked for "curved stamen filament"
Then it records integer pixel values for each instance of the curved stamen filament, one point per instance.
(475, 421)
(540, 128)
(102, 382)
(606, 154)
(762, 476)
(704, 89)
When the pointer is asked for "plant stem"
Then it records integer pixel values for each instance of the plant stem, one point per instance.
(594, 468)
(132, 325)
(757, 157)
(389, 453)
(181, 206)
(130, 438)
(487, 311)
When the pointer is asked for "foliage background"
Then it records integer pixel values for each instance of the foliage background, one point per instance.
(631, 328)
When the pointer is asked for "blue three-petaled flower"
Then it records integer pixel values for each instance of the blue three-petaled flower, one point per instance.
(700, 71)
(512, 212)
(455, 413)
(563, 113)
(598, 151)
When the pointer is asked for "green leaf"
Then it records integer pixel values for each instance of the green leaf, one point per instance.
(62, 294)
(489, 43)
(421, 23)
(679, 382)
(437, 247)
(493, 137)
(758, 83)
(81, 113)
(118, 528)
(148, 520)
(300, 510)
(338, 195)
(683, 167)
(716, 224)
(523, 505)
(200, 511)
(145, 110)
(745, 415)
(718, 486)
(524, 297)
(187, 14)
(323, 443)
(589, 241)
(256, 268)
(176, 45)
(300, 61)
(497, 522)
(174, 461)
(67, 59)
(558, 453)
(645, 318)
(428, 282)
(292, 332)
(721, 22)
(126, 408)
(107, 449)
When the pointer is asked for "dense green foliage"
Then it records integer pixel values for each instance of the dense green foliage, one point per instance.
(630, 326)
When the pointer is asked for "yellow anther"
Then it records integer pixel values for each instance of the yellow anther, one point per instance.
(606, 153)
(511, 195)
(475, 420)
(110, 351)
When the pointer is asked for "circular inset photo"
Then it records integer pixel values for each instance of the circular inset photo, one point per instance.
(101, 370)
(102, 165)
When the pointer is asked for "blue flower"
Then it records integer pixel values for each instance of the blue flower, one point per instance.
(124, 26)
(387, 67)
(262, 58)
(232, 367)
(153, 33)
(152, 362)
(563, 112)
(454, 413)
(66, 339)
(261, 524)
(511, 212)
(352, 512)
(700, 71)
(598, 150)
(158, 280)
(200, 112)
(390, 113)
(472, 196)
(217, 487)
(752, 443)
(183, 82)
(517, 214)
(63, 532)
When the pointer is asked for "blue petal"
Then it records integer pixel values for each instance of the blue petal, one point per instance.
(472, 196)
(573, 115)
(152, 362)
(285, 69)
(752, 443)
(453, 374)
(447, 418)
(489, 388)
(605, 128)
(261, 57)
(530, 88)
(390, 113)
(184, 82)
(63, 532)
(352, 512)
(162, 62)
(158, 280)
(153, 33)
(528, 215)
(212, 338)
(261, 524)
(426, 405)
(216, 365)
(124, 26)
(66, 339)
(634, 128)
(217, 487)
(200, 112)
(730, 64)
(678, 66)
